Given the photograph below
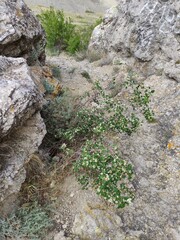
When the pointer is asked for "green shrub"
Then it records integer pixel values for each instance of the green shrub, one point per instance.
(86, 75)
(48, 87)
(62, 34)
(31, 221)
(74, 44)
(58, 113)
(108, 114)
(105, 171)
(87, 129)
(56, 72)
(141, 97)
(58, 28)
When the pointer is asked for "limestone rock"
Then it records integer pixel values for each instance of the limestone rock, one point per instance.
(143, 33)
(21, 126)
(19, 96)
(14, 152)
(97, 224)
(21, 34)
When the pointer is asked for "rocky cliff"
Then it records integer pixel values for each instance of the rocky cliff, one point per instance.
(22, 129)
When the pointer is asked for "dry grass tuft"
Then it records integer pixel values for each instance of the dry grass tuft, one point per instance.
(43, 178)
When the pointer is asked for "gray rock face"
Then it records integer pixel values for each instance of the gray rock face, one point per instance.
(21, 34)
(19, 96)
(21, 128)
(154, 152)
(144, 33)
(14, 152)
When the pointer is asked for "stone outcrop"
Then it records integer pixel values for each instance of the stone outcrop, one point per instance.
(21, 126)
(21, 34)
(144, 34)
(19, 96)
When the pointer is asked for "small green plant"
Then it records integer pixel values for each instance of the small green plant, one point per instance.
(104, 170)
(89, 11)
(56, 72)
(141, 96)
(86, 75)
(27, 222)
(48, 87)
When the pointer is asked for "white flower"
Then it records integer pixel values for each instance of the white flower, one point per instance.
(63, 146)
(129, 200)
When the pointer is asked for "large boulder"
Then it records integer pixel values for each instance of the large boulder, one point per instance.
(144, 34)
(19, 96)
(21, 34)
(21, 126)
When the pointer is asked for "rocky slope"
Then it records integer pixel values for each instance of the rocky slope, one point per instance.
(130, 36)
(153, 151)
(144, 37)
